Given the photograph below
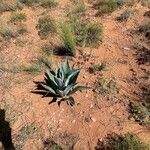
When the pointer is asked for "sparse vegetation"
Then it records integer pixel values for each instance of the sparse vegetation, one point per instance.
(86, 33)
(29, 2)
(45, 60)
(141, 111)
(113, 51)
(80, 8)
(124, 16)
(46, 25)
(9, 5)
(104, 87)
(48, 3)
(51, 145)
(33, 68)
(8, 33)
(61, 84)
(48, 49)
(68, 38)
(97, 67)
(119, 142)
(145, 29)
(107, 6)
(18, 17)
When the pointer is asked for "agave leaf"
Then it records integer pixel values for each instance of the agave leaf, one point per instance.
(72, 77)
(68, 89)
(59, 82)
(49, 89)
(49, 80)
(78, 88)
(66, 67)
(60, 92)
(50, 76)
(71, 101)
(62, 73)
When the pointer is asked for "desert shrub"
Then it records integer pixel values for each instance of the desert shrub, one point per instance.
(48, 3)
(142, 54)
(107, 6)
(97, 67)
(9, 5)
(68, 38)
(104, 87)
(8, 33)
(86, 33)
(93, 34)
(46, 25)
(124, 16)
(18, 17)
(61, 84)
(51, 145)
(121, 142)
(145, 29)
(29, 2)
(141, 111)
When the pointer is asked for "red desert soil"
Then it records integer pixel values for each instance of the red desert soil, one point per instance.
(92, 117)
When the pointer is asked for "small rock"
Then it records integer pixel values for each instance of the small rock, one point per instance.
(93, 119)
(73, 121)
(126, 48)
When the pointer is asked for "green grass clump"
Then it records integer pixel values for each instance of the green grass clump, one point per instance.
(48, 3)
(18, 17)
(86, 33)
(107, 6)
(46, 25)
(119, 142)
(32, 68)
(68, 38)
(94, 34)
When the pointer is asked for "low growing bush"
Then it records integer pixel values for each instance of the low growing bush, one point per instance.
(46, 25)
(121, 142)
(18, 17)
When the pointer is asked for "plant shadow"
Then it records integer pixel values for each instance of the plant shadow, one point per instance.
(5, 132)
(39, 90)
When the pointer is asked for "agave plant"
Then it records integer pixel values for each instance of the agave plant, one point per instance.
(62, 83)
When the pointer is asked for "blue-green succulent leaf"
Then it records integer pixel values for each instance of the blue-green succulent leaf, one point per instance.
(66, 66)
(78, 88)
(68, 89)
(72, 77)
(49, 89)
